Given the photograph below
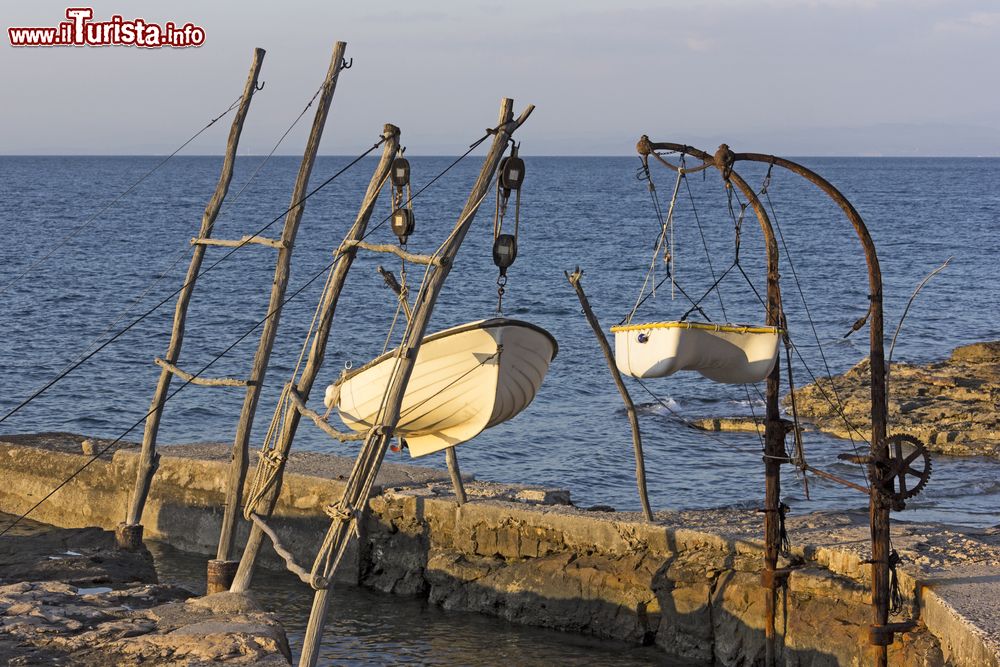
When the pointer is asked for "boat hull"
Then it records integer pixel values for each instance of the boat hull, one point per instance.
(722, 353)
(465, 380)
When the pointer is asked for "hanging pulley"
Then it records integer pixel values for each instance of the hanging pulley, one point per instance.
(505, 244)
(512, 171)
(402, 222)
(400, 172)
(504, 252)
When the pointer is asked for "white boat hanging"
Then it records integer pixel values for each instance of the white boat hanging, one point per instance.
(465, 380)
(730, 354)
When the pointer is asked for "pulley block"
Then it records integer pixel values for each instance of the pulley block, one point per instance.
(402, 223)
(400, 172)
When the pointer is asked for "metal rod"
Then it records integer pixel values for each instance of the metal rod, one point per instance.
(774, 431)
(878, 504)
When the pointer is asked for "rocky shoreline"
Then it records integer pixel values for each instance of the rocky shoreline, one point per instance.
(951, 406)
(68, 597)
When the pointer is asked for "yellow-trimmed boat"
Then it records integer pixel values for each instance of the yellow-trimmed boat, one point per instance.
(728, 353)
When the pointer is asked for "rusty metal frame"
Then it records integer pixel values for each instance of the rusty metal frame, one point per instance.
(879, 505)
(774, 429)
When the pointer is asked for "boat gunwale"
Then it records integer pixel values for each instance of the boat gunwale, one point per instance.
(491, 323)
(701, 326)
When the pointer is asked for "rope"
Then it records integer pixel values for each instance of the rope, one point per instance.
(704, 243)
(666, 224)
(266, 473)
(187, 246)
(909, 303)
(161, 303)
(895, 598)
(86, 223)
(239, 340)
(194, 376)
(839, 406)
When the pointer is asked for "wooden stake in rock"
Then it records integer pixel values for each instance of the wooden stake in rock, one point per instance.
(222, 570)
(129, 534)
(317, 352)
(640, 462)
(347, 513)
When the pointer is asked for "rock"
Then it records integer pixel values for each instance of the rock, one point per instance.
(64, 619)
(950, 406)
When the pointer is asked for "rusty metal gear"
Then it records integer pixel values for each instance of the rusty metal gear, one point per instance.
(903, 467)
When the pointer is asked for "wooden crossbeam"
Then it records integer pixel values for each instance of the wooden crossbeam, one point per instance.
(319, 421)
(395, 250)
(204, 382)
(229, 243)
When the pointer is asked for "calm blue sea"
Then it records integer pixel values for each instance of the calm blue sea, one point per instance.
(587, 212)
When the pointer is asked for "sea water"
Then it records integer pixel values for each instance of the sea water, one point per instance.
(575, 211)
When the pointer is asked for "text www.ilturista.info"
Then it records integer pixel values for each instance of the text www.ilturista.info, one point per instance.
(79, 30)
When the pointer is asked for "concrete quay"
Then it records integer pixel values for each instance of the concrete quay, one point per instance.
(689, 582)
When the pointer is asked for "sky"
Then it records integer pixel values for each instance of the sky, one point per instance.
(792, 77)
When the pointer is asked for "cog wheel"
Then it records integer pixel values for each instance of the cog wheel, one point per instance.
(907, 471)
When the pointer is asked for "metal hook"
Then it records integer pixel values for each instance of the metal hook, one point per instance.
(344, 64)
(260, 86)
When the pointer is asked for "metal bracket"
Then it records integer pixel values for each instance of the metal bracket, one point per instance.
(883, 635)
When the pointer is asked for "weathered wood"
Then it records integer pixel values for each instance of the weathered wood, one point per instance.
(204, 382)
(147, 457)
(353, 503)
(248, 239)
(397, 289)
(281, 549)
(319, 421)
(394, 250)
(456, 475)
(609, 357)
(241, 443)
(317, 352)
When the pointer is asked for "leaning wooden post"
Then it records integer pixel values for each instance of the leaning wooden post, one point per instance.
(129, 534)
(640, 461)
(317, 352)
(222, 569)
(349, 511)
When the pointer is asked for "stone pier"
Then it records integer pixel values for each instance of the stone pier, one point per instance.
(689, 582)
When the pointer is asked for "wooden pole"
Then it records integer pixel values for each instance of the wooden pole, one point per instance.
(451, 457)
(239, 462)
(456, 475)
(129, 534)
(317, 352)
(353, 504)
(640, 461)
